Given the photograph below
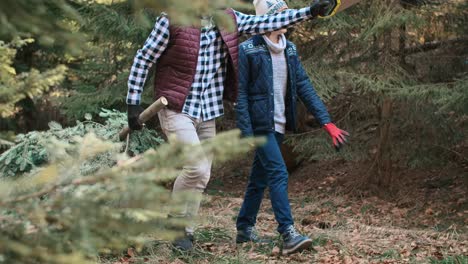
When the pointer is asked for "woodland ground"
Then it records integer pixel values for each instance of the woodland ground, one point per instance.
(424, 220)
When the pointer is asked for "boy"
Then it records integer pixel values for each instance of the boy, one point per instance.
(271, 78)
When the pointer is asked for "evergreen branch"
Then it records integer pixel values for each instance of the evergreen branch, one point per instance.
(428, 46)
(4, 144)
(453, 151)
(48, 190)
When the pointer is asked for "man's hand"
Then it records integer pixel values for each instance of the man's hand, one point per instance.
(133, 112)
(338, 136)
(324, 8)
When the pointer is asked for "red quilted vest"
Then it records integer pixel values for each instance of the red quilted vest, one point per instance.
(175, 70)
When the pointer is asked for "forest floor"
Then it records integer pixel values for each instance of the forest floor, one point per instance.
(424, 220)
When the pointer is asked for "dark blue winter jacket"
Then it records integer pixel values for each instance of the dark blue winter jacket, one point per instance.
(255, 103)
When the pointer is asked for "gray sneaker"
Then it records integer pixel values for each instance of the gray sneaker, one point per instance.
(294, 242)
(249, 234)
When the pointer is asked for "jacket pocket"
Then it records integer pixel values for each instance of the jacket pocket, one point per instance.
(258, 110)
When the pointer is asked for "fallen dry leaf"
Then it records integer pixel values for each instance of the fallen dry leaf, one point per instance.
(347, 260)
(429, 211)
(131, 252)
(276, 251)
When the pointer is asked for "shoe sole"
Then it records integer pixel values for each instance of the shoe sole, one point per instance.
(241, 240)
(299, 247)
(255, 242)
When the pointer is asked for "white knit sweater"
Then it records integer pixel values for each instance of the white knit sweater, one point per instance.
(280, 79)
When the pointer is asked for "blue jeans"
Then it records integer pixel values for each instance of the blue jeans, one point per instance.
(268, 170)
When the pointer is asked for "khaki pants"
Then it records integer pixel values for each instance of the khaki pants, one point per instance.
(194, 176)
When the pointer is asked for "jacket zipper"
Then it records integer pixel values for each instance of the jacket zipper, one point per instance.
(272, 98)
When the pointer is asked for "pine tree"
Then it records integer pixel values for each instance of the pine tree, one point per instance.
(371, 59)
(15, 87)
(57, 215)
(95, 39)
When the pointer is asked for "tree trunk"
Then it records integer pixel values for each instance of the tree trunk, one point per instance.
(383, 160)
(401, 46)
(381, 172)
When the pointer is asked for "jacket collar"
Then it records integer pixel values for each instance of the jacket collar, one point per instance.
(258, 40)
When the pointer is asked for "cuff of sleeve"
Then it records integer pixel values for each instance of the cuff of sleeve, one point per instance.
(133, 101)
(308, 11)
(327, 122)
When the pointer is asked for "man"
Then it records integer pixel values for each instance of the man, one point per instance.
(196, 70)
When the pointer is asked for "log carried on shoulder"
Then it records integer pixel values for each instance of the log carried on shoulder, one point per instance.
(146, 115)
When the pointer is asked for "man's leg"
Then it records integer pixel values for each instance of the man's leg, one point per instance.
(194, 175)
(205, 130)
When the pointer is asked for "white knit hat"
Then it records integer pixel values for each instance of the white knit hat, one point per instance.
(268, 7)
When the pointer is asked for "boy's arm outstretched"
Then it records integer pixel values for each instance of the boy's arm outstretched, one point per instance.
(314, 104)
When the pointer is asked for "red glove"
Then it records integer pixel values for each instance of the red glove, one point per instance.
(338, 136)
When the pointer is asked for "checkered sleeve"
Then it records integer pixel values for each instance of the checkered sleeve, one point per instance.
(250, 24)
(154, 46)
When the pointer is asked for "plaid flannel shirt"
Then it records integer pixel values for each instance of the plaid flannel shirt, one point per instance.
(205, 99)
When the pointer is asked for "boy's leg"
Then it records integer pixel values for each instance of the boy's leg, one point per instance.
(275, 169)
(253, 196)
(293, 241)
